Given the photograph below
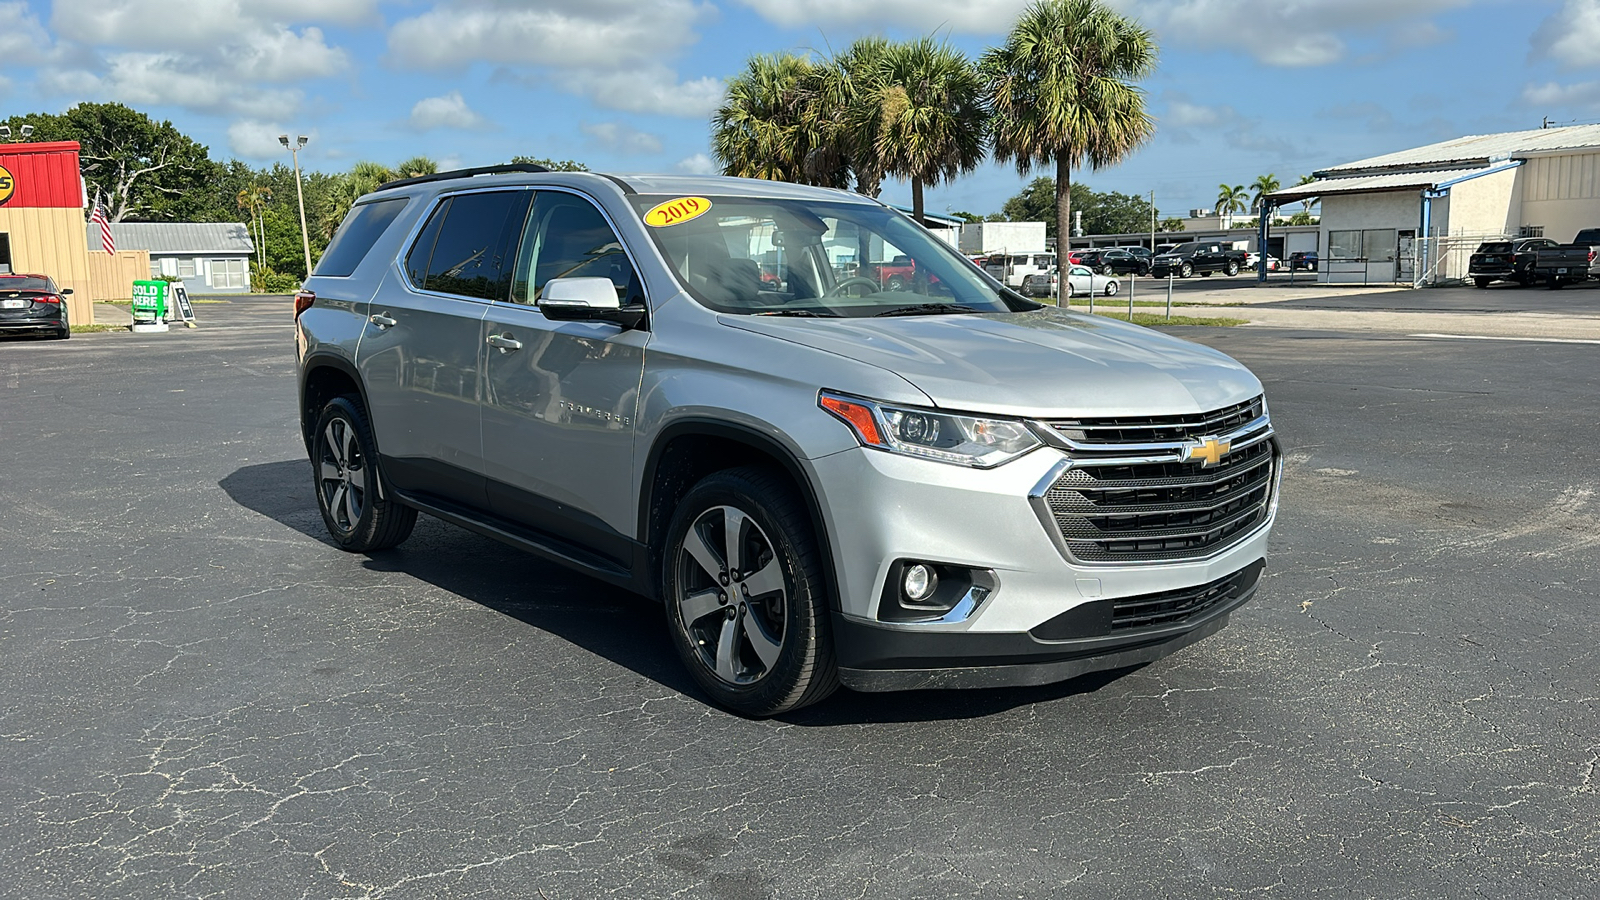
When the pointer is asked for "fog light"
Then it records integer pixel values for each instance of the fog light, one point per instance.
(920, 582)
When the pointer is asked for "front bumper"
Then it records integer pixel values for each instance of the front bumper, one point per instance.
(882, 509)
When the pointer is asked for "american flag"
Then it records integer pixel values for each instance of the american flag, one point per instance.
(99, 217)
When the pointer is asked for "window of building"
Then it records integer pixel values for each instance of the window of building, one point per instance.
(1344, 245)
(1379, 244)
(5, 251)
(187, 268)
(228, 273)
(155, 268)
(1531, 231)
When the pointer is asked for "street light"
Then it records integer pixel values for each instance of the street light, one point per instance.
(305, 238)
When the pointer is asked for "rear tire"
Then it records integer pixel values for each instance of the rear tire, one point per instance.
(1232, 268)
(746, 594)
(345, 474)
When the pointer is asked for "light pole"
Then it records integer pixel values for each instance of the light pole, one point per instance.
(305, 238)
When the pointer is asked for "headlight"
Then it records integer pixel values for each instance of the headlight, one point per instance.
(961, 440)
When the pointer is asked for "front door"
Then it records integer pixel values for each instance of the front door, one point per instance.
(561, 397)
(1405, 258)
(421, 355)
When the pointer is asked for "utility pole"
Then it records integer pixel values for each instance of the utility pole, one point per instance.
(1152, 221)
(305, 236)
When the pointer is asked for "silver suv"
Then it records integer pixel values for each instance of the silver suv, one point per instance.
(709, 391)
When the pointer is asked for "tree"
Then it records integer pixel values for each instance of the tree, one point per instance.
(1170, 224)
(252, 199)
(1263, 185)
(917, 114)
(969, 218)
(1307, 202)
(1230, 200)
(767, 126)
(1114, 213)
(138, 167)
(554, 165)
(362, 179)
(1302, 218)
(1059, 91)
(416, 167)
(1037, 202)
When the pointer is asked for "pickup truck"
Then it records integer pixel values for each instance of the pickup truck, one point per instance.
(1204, 257)
(1569, 263)
(892, 275)
(1506, 260)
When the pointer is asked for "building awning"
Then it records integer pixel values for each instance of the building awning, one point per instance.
(1367, 184)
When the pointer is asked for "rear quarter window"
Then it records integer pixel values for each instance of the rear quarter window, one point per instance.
(356, 235)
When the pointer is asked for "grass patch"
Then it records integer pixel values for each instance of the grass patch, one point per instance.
(97, 329)
(1153, 319)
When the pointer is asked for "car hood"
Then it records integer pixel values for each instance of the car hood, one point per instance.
(1043, 363)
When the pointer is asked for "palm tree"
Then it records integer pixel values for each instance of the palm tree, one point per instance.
(1229, 201)
(1059, 91)
(917, 114)
(415, 167)
(843, 115)
(1263, 185)
(362, 179)
(253, 199)
(769, 127)
(1307, 202)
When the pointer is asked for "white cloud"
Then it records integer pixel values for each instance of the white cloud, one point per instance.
(655, 89)
(1570, 35)
(1548, 96)
(22, 39)
(191, 24)
(448, 111)
(698, 164)
(252, 139)
(621, 138)
(154, 79)
(962, 16)
(560, 33)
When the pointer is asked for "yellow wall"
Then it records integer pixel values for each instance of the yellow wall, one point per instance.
(52, 242)
(112, 277)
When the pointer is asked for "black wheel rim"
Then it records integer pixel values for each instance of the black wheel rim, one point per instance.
(730, 596)
(341, 474)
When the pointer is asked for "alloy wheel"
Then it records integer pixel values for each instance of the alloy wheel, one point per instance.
(730, 595)
(342, 474)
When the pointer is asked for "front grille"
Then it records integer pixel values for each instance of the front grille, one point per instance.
(1145, 503)
(1172, 607)
(1154, 429)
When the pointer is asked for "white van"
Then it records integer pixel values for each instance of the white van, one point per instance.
(1011, 269)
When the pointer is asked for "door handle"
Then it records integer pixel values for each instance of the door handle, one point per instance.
(382, 321)
(504, 342)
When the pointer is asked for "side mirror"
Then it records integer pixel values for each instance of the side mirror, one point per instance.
(587, 300)
(66, 291)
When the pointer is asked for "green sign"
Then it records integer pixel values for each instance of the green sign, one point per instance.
(149, 301)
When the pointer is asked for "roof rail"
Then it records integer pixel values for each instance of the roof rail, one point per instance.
(462, 173)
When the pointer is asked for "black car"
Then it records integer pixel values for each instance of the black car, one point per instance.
(1303, 259)
(33, 303)
(1506, 260)
(1114, 261)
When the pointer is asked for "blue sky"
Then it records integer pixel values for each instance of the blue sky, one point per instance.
(1244, 87)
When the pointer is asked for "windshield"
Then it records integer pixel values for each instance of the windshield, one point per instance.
(760, 256)
(24, 283)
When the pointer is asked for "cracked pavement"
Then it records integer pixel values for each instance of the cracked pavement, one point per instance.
(200, 697)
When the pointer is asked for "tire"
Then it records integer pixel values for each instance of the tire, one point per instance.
(345, 479)
(1185, 270)
(1482, 282)
(1111, 289)
(775, 653)
(1232, 268)
(66, 324)
(896, 283)
(1106, 270)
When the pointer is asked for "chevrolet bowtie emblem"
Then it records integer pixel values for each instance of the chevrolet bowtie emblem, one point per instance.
(1209, 451)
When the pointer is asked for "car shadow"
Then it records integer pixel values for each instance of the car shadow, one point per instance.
(609, 622)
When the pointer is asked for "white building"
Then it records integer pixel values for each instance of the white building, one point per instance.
(211, 257)
(1416, 215)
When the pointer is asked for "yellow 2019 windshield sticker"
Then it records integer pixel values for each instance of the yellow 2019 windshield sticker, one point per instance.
(676, 212)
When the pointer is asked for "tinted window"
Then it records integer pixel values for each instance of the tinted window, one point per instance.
(360, 230)
(422, 251)
(25, 283)
(1494, 247)
(567, 237)
(469, 258)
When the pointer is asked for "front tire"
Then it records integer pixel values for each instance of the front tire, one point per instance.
(1111, 289)
(747, 600)
(1185, 270)
(343, 465)
(896, 283)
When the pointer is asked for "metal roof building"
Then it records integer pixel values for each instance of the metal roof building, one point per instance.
(211, 257)
(1416, 215)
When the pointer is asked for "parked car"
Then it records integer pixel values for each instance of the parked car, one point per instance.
(1011, 269)
(1113, 260)
(1204, 257)
(892, 275)
(809, 474)
(1303, 259)
(33, 304)
(1253, 261)
(1081, 282)
(1506, 261)
(1566, 264)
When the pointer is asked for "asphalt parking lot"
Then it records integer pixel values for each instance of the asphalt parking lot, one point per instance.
(201, 697)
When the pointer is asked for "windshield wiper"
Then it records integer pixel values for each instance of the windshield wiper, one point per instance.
(801, 314)
(925, 309)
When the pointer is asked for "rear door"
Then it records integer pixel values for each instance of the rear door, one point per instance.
(561, 398)
(421, 355)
